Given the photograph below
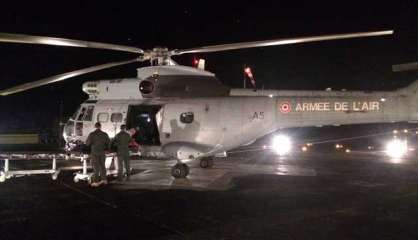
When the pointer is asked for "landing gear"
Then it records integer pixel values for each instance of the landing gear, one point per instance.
(180, 170)
(206, 162)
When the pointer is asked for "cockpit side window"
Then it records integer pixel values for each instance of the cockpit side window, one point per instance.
(89, 113)
(86, 113)
(82, 113)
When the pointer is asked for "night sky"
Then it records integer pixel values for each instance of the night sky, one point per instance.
(363, 64)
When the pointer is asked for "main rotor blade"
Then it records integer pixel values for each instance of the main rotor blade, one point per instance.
(275, 42)
(405, 67)
(21, 38)
(62, 77)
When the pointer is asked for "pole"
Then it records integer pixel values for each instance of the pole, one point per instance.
(83, 159)
(60, 124)
(54, 163)
(6, 166)
(243, 76)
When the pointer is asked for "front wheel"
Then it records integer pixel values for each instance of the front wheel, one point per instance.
(206, 162)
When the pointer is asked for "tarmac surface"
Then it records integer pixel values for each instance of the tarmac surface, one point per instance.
(246, 196)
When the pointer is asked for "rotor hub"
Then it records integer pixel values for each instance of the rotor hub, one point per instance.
(158, 56)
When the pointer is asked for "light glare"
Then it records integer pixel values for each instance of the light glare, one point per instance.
(396, 148)
(281, 145)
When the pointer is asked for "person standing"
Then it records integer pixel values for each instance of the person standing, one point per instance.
(99, 142)
(122, 140)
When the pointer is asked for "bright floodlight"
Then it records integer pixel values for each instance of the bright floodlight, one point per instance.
(281, 145)
(396, 148)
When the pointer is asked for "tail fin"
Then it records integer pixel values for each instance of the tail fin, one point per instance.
(410, 89)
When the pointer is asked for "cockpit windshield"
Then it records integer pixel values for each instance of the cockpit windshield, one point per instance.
(74, 116)
(82, 114)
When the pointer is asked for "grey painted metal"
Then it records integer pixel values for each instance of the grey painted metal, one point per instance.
(239, 92)
(224, 123)
(30, 39)
(62, 77)
(276, 42)
(164, 53)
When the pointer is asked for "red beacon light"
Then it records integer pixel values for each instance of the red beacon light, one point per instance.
(199, 63)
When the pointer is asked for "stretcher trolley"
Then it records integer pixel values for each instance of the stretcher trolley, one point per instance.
(7, 173)
(85, 175)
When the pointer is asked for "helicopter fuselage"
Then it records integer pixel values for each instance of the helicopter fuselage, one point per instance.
(189, 128)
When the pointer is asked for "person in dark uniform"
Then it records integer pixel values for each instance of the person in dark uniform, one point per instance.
(99, 142)
(122, 140)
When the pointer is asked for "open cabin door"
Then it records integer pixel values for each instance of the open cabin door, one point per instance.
(143, 118)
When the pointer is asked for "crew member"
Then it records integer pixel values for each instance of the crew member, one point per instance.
(122, 140)
(99, 142)
(133, 145)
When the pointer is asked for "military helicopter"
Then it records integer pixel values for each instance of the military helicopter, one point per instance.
(189, 114)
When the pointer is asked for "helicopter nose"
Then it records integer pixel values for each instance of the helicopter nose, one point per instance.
(69, 129)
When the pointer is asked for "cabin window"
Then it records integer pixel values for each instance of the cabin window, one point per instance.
(102, 117)
(116, 117)
(187, 117)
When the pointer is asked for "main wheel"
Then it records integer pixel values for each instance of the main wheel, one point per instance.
(180, 170)
(206, 162)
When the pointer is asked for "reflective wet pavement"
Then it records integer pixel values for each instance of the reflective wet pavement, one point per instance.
(154, 174)
(251, 196)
